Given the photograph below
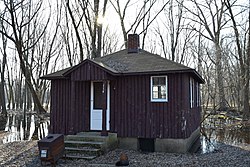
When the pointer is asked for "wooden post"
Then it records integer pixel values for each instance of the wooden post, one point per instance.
(104, 109)
(71, 125)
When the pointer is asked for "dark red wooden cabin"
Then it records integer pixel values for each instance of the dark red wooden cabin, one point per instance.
(134, 93)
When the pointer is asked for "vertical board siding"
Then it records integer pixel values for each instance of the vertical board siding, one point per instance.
(80, 106)
(69, 106)
(83, 103)
(82, 110)
(89, 71)
(134, 115)
(72, 108)
(192, 115)
(60, 106)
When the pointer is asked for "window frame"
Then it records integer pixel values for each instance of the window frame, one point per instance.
(192, 92)
(198, 97)
(151, 89)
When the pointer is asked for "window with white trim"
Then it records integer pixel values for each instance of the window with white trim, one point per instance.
(159, 89)
(192, 91)
(198, 100)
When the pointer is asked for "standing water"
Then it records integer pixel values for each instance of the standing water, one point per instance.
(221, 128)
(215, 130)
(18, 128)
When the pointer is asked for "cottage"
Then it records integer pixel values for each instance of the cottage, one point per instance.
(143, 98)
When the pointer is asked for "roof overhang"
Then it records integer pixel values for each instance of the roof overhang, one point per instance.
(65, 73)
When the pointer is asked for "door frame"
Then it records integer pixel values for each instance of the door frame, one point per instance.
(99, 110)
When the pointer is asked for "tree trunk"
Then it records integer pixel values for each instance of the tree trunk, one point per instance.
(244, 67)
(2, 83)
(99, 32)
(246, 86)
(76, 31)
(27, 75)
(2, 98)
(222, 101)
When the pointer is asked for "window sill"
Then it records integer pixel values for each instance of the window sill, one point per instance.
(159, 100)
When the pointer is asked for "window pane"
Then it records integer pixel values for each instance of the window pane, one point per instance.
(163, 95)
(98, 95)
(162, 81)
(155, 95)
(163, 88)
(155, 81)
(155, 89)
(159, 81)
(159, 89)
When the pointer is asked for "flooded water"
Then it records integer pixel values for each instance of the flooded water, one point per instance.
(214, 131)
(19, 128)
(229, 131)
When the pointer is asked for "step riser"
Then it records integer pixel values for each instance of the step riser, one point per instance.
(88, 153)
(85, 138)
(89, 133)
(86, 145)
(77, 145)
(79, 157)
(74, 144)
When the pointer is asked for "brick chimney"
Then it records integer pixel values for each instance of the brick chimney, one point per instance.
(133, 43)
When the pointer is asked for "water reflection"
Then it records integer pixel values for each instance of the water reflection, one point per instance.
(17, 132)
(7, 123)
(207, 145)
(215, 131)
(228, 131)
(21, 131)
(32, 127)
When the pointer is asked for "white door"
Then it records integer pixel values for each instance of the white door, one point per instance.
(96, 106)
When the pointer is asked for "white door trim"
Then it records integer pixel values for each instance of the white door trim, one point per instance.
(96, 114)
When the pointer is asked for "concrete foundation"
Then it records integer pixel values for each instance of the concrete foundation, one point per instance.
(111, 141)
(128, 143)
(163, 145)
(177, 145)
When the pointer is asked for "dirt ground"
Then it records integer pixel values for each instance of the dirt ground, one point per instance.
(26, 154)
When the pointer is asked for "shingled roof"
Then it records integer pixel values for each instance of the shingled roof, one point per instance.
(124, 63)
(58, 74)
(141, 62)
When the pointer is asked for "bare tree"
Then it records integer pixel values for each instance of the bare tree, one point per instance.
(2, 71)
(48, 54)
(76, 30)
(176, 34)
(143, 18)
(247, 71)
(110, 42)
(175, 31)
(86, 14)
(69, 42)
(243, 58)
(20, 16)
(210, 15)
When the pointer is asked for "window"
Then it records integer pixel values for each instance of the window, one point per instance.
(198, 100)
(159, 88)
(191, 89)
(98, 87)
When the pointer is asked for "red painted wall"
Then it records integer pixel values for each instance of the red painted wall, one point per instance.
(134, 115)
(132, 112)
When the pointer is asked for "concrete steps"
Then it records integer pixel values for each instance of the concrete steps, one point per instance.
(88, 145)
